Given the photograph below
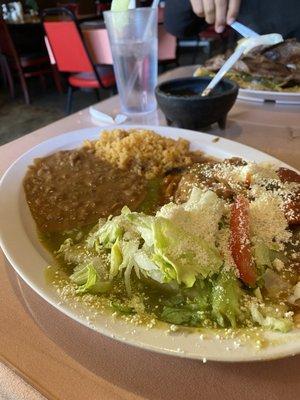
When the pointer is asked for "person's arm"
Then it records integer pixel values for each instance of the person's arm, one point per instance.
(180, 20)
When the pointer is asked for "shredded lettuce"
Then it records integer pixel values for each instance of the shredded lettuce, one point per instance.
(199, 216)
(109, 233)
(261, 316)
(177, 255)
(88, 281)
(145, 264)
(122, 309)
(187, 255)
(295, 296)
(181, 316)
(262, 255)
(191, 310)
(128, 250)
(226, 295)
(143, 225)
(116, 259)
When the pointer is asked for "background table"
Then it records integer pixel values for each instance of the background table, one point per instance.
(64, 360)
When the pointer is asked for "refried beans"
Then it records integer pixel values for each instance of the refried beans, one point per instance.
(71, 189)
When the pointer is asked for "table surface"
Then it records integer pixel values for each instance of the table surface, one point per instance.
(64, 360)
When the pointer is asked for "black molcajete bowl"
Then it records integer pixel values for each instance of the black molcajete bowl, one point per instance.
(181, 102)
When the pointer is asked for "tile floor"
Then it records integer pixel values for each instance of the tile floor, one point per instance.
(18, 119)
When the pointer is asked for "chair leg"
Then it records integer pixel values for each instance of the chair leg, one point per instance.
(43, 82)
(3, 70)
(69, 100)
(57, 79)
(24, 87)
(8, 76)
(97, 91)
(11, 83)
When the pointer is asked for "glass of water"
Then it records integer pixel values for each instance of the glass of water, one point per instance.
(133, 40)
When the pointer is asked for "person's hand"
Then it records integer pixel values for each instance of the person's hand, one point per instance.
(217, 12)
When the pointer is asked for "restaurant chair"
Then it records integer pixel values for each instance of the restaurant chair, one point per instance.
(72, 56)
(167, 48)
(6, 74)
(23, 65)
(98, 45)
(161, 15)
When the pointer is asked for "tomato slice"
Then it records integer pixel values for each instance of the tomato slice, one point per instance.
(288, 175)
(240, 240)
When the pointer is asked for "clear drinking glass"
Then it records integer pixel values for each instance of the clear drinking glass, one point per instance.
(133, 40)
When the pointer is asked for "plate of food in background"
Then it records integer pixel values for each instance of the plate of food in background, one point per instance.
(271, 74)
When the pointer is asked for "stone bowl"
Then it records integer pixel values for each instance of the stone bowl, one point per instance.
(181, 102)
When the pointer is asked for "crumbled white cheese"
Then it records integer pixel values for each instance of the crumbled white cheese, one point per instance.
(237, 175)
(267, 220)
(260, 172)
(223, 240)
(296, 294)
(136, 302)
(199, 216)
(278, 264)
(173, 328)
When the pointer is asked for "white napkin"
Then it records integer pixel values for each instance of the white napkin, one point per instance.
(105, 118)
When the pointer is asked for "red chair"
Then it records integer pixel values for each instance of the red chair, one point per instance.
(167, 47)
(98, 45)
(71, 54)
(161, 15)
(23, 65)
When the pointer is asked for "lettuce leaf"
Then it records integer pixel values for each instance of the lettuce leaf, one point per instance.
(116, 259)
(109, 233)
(128, 250)
(226, 294)
(269, 321)
(199, 216)
(180, 316)
(190, 307)
(88, 281)
(150, 268)
(262, 255)
(143, 225)
(187, 255)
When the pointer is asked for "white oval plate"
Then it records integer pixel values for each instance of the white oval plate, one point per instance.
(261, 96)
(23, 250)
(292, 98)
